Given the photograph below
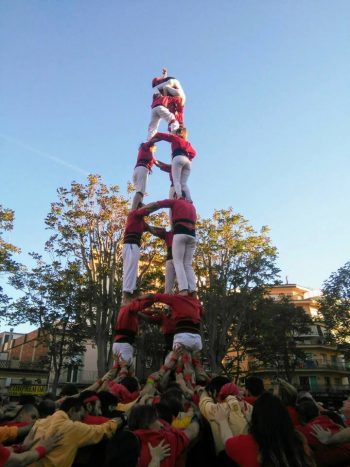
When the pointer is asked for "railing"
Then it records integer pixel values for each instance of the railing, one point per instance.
(323, 365)
(324, 388)
(17, 365)
(306, 365)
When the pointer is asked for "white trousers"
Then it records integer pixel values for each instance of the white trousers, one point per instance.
(139, 179)
(170, 276)
(131, 256)
(192, 342)
(183, 250)
(180, 171)
(158, 113)
(124, 351)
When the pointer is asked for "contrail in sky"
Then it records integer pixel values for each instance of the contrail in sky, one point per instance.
(44, 154)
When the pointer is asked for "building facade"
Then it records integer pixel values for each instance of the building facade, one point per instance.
(325, 370)
(25, 367)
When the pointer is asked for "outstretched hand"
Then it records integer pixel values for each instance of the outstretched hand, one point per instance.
(321, 434)
(51, 442)
(159, 452)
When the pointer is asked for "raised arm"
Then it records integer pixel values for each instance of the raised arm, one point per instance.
(326, 437)
(156, 231)
(163, 166)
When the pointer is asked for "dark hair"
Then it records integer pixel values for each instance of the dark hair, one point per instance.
(173, 392)
(173, 403)
(255, 385)
(46, 407)
(142, 416)
(164, 411)
(69, 389)
(214, 386)
(280, 445)
(123, 449)
(107, 400)
(307, 410)
(26, 399)
(71, 403)
(130, 383)
(50, 396)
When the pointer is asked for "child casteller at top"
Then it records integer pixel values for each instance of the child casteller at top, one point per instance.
(167, 103)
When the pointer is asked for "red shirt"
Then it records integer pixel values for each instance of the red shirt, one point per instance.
(293, 415)
(135, 226)
(325, 455)
(14, 423)
(145, 156)
(176, 107)
(127, 322)
(178, 145)
(176, 438)
(244, 450)
(4, 454)
(183, 307)
(183, 213)
(167, 324)
(167, 236)
(95, 419)
(159, 99)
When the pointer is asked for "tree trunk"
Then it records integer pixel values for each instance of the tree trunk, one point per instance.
(56, 377)
(101, 355)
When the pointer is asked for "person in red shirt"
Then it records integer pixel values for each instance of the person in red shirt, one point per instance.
(25, 455)
(160, 103)
(182, 153)
(144, 164)
(186, 311)
(170, 273)
(272, 439)
(143, 421)
(184, 217)
(167, 326)
(254, 387)
(92, 406)
(325, 455)
(126, 327)
(134, 228)
(170, 85)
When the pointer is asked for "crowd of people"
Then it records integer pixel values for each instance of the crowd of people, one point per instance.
(167, 423)
(182, 415)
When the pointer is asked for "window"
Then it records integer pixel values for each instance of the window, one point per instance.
(72, 374)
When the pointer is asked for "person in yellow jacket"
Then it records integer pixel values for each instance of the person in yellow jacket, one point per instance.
(239, 414)
(76, 434)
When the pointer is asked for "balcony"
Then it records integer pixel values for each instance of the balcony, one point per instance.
(323, 365)
(22, 366)
(305, 365)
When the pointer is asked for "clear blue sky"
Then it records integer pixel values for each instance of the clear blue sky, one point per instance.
(267, 86)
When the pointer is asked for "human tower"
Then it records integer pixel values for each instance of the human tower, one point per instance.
(180, 322)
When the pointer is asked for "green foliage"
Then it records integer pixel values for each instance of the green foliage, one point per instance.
(233, 265)
(7, 264)
(335, 306)
(274, 340)
(88, 223)
(54, 300)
